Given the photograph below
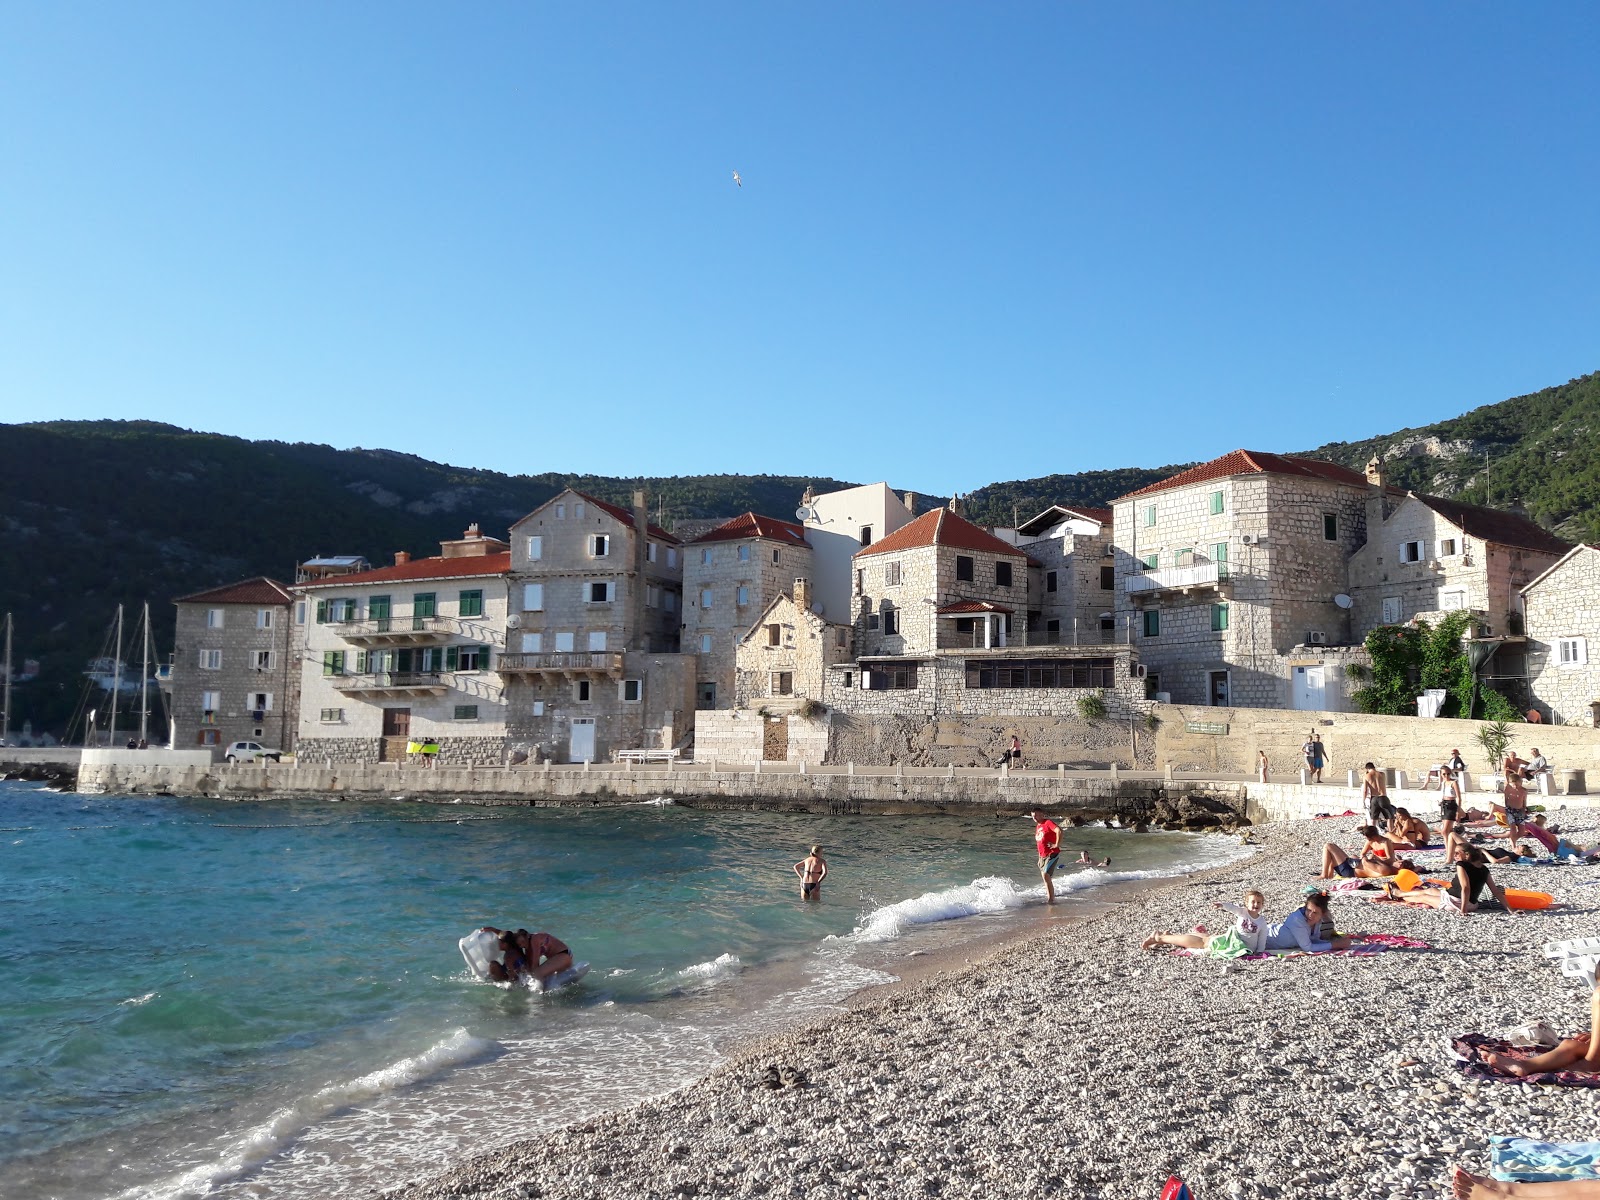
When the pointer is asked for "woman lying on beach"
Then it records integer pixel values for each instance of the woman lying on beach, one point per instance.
(1407, 832)
(1306, 928)
(1580, 1053)
(1466, 892)
(1247, 936)
(1375, 861)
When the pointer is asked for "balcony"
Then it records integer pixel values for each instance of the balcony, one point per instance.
(1176, 579)
(391, 683)
(579, 662)
(395, 631)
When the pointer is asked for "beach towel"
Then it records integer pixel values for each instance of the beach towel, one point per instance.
(1470, 1048)
(1372, 943)
(1523, 1160)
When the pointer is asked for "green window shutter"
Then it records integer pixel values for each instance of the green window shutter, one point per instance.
(483, 658)
(361, 662)
(1216, 502)
(1152, 623)
(452, 655)
(1219, 618)
(329, 666)
(1219, 555)
(322, 612)
(1152, 561)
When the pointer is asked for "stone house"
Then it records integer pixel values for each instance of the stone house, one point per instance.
(1562, 612)
(731, 574)
(234, 675)
(786, 654)
(593, 665)
(837, 524)
(407, 652)
(1073, 585)
(1233, 575)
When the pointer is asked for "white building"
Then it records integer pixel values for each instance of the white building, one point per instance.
(837, 524)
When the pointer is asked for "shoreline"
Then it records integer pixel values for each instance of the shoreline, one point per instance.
(1066, 1061)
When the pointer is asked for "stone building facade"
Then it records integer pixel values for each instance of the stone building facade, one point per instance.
(1562, 609)
(837, 524)
(406, 653)
(1073, 579)
(731, 574)
(592, 663)
(786, 655)
(234, 673)
(1231, 571)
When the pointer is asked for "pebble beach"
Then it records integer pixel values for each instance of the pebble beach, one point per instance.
(1075, 1064)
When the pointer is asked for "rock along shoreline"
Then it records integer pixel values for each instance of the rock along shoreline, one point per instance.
(1073, 1064)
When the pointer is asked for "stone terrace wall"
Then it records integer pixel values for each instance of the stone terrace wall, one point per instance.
(919, 741)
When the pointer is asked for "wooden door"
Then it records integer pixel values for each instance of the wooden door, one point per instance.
(775, 739)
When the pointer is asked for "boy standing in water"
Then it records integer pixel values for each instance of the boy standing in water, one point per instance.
(812, 871)
(1047, 837)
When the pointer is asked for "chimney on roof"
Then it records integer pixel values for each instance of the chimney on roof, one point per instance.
(802, 594)
(1377, 497)
(471, 544)
(910, 502)
(957, 505)
(402, 557)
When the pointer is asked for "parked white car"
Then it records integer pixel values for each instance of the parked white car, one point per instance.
(251, 752)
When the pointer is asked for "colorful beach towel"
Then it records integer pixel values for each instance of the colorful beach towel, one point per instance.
(1372, 943)
(1523, 1160)
(1470, 1048)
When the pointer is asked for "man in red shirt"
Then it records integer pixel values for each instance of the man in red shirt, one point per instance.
(1047, 836)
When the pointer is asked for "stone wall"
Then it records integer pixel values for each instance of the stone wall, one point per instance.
(927, 579)
(1565, 605)
(971, 741)
(239, 639)
(339, 751)
(767, 572)
(807, 646)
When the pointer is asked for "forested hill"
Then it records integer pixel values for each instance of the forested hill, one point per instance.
(92, 513)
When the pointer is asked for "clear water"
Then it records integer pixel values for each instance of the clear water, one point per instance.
(206, 998)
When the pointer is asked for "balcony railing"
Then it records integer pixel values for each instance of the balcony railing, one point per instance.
(1164, 579)
(390, 681)
(606, 661)
(392, 630)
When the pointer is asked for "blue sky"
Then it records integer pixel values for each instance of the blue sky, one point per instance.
(974, 242)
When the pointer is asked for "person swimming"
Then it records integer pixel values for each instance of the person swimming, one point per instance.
(812, 871)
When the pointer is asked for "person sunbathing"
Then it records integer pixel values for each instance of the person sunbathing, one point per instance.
(1248, 934)
(1466, 1186)
(1579, 1053)
(1374, 861)
(1466, 892)
(1407, 832)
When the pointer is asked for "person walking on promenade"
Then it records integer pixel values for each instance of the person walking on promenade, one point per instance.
(1015, 753)
(1316, 756)
(1047, 838)
(1263, 767)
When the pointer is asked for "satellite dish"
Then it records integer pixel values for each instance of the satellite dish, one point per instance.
(803, 513)
(1343, 601)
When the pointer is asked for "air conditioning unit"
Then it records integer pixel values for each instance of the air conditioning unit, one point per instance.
(1315, 637)
(1140, 670)
(1247, 538)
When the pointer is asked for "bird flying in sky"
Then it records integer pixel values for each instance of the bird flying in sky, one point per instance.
(737, 180)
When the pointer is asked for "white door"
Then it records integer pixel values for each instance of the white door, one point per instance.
(1308, 688)
(581, 747)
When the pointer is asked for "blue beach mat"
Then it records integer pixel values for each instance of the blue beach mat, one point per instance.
(1523, 1160)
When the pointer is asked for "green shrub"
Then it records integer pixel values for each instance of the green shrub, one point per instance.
(1091, 708)
(1495, 739)
(1496, 707)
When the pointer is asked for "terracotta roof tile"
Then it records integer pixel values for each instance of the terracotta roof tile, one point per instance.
(483, 566)
(1253, 462)
(751, 524)
(1493, 525)
(941, 527)
(624, 515)
(259, 590)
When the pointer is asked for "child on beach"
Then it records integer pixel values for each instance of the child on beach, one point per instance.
(1247, 936)
(1084, 860)
(812, 871)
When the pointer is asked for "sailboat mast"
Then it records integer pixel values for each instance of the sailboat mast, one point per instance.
(116, 683)
(5, 705)
(144, 682)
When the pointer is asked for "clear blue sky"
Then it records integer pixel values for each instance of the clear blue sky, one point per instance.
(974, 242)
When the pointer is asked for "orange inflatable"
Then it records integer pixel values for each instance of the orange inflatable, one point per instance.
(1517, 898)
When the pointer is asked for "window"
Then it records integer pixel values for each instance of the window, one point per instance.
(214, 618)
(743, 596)
(533, 597)
(1216, 503)
(1447, 547)
(744, 553)
(466, 712)
(577, 510)
(1002, 574)
(538, 708)
(1219, 618)
(1042, 673)
(866, 536)
(1108, 579)
(211, 660)
(1152, 561)
(258, 702)
(630, 691)
(891, 621)
(841, 637)
(849, 679)
(1050, 581)
(1411, 552)
(1152, 622)
(471, 603)
(299, 612)
(781, 683)
(1330, 527)
(424, 606)
(672, 557)
(1391, 610)
(1052, 632)
(342, 611)
(652, 596)
(561, 512)
(380, 662)
(705, 597)
(210, 701)
(466, 658)
(861, 581)
(1183, 558)
(535, 548)
(264, 659)
(333, 662)
(705, 557)
(1149, 515)
(599, 545)
(777, 557)
(1108, 626)
(650, 552)
(1572, 652)
(891, 574)
(887, 677)
(331, 716)
(533, 643)
(705, 643)
(602, 593)
(209, 737)
(263, 618)
(872, 620)
(964, 568)
(671, 599)
(564, 642)
(581, 691)
(1453, 601)
(1219, 555)
(597, 640)
(774, 635)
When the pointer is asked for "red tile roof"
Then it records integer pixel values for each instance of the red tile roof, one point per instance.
(259, 590)
(1493, 525)
(624, 515)
(941, 527)
(1056, 513)
(962, 607)
(752, 524)
(1254, 462)
(482, 566)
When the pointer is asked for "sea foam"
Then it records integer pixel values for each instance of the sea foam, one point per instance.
(724, 966)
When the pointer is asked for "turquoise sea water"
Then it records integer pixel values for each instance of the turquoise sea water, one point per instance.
(266, 999)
